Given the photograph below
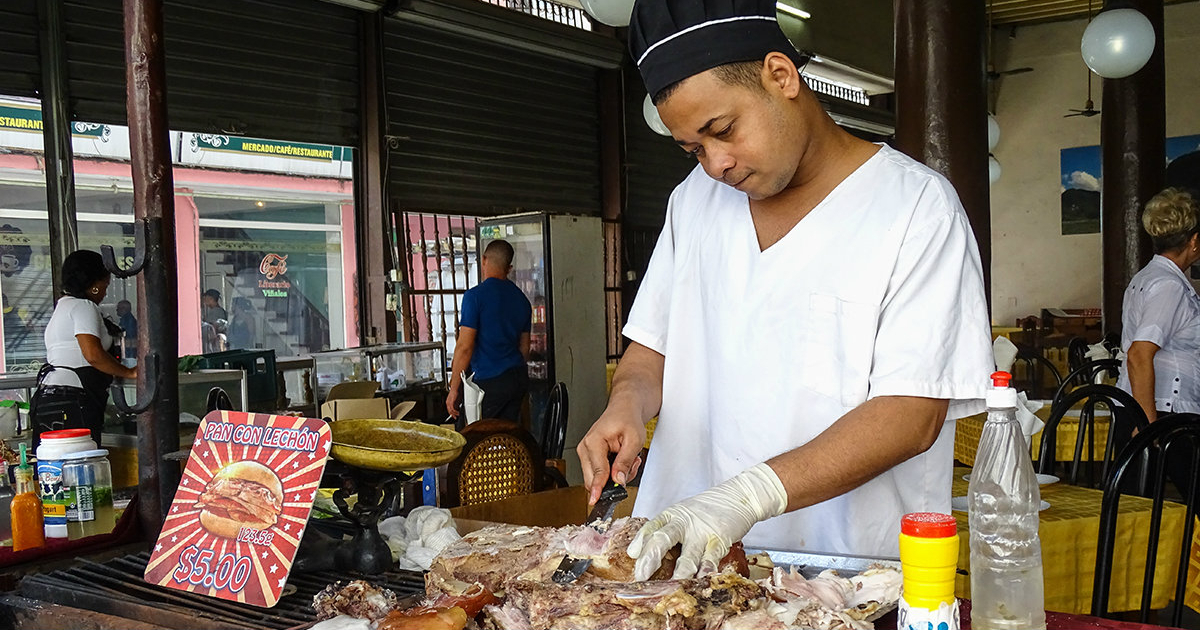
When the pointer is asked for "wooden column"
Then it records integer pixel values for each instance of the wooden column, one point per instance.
(1133, 150)
(611, 181)
(376, 323)
(154, 215)
(941, 102)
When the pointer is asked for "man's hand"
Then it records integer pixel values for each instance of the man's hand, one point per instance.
(615, 432)
(621, 429)
(452, 402)
(708, 523)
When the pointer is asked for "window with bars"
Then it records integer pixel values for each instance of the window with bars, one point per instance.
(440, 263)
(548, 10)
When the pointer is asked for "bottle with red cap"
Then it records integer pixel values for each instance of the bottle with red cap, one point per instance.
(56, 497)
(928, 561)
(1002, 511)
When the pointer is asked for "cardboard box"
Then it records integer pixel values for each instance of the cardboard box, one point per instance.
(347, 408)
(551, 508)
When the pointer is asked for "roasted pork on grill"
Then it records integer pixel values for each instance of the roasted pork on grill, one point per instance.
(498, 578)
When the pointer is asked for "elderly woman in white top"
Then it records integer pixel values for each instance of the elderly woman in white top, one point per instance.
(1161, 320)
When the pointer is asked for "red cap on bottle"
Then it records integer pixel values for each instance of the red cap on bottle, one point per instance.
(928, 525)
(62, 434)
(1001, 379)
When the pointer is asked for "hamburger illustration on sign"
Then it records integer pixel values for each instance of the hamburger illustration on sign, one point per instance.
(241, 507)
(242, 494)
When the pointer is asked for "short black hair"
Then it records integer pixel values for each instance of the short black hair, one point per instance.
(81, 269)
(745, 74)
(213, 293)
(502, 249)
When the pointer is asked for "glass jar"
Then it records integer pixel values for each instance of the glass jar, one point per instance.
(87, 482)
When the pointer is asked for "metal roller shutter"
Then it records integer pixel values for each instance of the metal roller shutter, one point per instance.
(19, 72)
(484, 128)
(654, 164)
(285, 69)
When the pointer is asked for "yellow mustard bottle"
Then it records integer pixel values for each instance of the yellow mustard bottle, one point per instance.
(928, 561)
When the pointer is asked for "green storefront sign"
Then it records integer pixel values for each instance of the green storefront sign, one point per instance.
(255, 146)
(29, 119)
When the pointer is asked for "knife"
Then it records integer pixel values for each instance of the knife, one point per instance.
(571, 568)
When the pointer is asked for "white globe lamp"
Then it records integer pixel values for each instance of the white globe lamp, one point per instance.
(993, 169)
(993, 132)
(650, 113)
(610, 12)
(1118, 43)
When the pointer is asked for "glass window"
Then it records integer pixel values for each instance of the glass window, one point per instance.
(105, 217)
(277, 269)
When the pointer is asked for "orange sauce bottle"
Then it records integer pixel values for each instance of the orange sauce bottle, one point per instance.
(27, 529)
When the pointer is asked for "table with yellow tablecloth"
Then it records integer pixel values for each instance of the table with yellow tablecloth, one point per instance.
(1069, 529)
(967, 432)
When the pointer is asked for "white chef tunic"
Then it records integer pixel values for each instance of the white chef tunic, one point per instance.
(1161, 306)
(878, 291)
(72, 316)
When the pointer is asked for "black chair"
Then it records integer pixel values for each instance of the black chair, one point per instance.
(554, 422)
(1084, 375)
(1176, 436)
(1077, 349)
(1036, 367)
(1125, 415)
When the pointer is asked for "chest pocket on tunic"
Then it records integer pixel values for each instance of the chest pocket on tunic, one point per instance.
(838, 347)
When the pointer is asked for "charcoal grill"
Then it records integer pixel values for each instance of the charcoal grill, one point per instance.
(116, 588)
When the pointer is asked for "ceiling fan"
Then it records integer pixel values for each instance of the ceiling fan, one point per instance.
(1089, 108)
(992, 72)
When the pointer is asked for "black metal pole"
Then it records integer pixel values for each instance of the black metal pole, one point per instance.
(154, 212)
(56, 135)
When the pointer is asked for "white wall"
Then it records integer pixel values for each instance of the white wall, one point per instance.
(1033, 264)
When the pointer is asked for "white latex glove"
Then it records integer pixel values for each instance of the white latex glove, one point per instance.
(708, 523)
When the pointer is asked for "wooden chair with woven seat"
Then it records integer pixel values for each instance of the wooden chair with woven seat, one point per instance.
(500, 459)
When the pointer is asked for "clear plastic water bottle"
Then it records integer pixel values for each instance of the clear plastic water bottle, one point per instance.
(1003, 502)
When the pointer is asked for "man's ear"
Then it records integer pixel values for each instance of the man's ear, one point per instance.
(781, 74)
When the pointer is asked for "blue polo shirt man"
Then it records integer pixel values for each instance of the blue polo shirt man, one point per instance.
(493, 339)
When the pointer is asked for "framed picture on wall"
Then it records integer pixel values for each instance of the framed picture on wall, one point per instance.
(1081, 179)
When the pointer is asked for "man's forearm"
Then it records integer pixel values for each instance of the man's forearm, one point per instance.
(462, 359)
(637, 383)
(872, 438)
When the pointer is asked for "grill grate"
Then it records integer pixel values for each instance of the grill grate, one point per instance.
(116, 588)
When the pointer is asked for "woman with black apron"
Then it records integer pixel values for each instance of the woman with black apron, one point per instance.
(80, 359)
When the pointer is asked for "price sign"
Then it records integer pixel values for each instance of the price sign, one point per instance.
(242, 506)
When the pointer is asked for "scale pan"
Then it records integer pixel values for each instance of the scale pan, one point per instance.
(393, 445)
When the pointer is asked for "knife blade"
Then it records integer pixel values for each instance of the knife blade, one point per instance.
(571, 568)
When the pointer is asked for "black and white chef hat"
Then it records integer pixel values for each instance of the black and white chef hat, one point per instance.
(671, 40)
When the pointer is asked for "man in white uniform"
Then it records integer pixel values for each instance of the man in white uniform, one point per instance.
(812, 321)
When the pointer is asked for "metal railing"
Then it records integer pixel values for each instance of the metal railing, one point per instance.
(845, 92)
(548, 10)
(439, 261)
